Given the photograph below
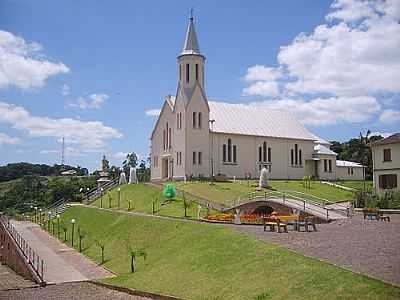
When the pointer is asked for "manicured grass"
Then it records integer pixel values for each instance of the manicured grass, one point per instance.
(142, 197)
(356, 184)
(227, 192)
(203, 261)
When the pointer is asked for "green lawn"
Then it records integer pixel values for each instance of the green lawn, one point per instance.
(204, 261)
(356, 184)
(227, 192)
(142, 197)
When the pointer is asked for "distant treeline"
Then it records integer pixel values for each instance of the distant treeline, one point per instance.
(19, 170)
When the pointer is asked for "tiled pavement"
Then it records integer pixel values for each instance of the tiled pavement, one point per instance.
(10, 280)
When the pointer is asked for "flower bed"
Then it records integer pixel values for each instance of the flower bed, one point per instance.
(221, 217)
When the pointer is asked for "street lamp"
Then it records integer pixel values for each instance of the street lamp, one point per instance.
(72, 234)
(40, 215)
(119, 197)
(36, 214)
(101, 197)
(48, 221)
(58, 225)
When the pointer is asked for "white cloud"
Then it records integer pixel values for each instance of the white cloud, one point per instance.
(93, 101)
(65, 90)
(23, 64)
(384, 134)
(153, 112)
(328, 111)
(8, 140)
(69, 151)
(351, 60)
(90, 135)
(390, 116)
(120, 155)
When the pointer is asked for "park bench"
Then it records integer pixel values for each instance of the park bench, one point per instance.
(290, 220)
(371, 213)
(273, 222)
(308, 221)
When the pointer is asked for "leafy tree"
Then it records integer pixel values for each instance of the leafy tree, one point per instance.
(186, 204)
(134, 253)
(143, 172)
(169, 192)
(81, 236)
(102, 246)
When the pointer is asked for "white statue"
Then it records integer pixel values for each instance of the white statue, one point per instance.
(122, 178)
(263, 183)
(132, 176)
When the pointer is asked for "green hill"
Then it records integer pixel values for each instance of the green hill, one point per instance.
(203, 261)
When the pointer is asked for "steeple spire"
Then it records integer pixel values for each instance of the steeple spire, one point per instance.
(191, 45)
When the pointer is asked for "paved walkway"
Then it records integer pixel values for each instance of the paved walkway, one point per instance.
(365, 246)
(61, 263)
(68, 291)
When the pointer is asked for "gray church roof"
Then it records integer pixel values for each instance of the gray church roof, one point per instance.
(257, 121)
(321, 149)
(191, 45)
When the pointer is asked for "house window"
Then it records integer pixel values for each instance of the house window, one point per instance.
(265, 151)
(300, 158)
(325, 165)
(224, 152)
(194, 120)
(229, 150)
(269, 154)
(170, 138)
(187, 73)
(259, 154)
(197, 71)
(295, 154)
(199, 120)
(234, 153)
(291, 157)
(194, 157)
(387, 155)
(200, 158)
(388, 181)
(330, 165)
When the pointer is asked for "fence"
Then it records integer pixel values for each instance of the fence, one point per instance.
(32, 259)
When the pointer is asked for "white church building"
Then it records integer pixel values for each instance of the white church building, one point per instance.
(195, 137)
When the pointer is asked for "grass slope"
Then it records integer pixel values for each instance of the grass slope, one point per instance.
(227, 192)
(142, 196)
(358, 185)
(202, 261)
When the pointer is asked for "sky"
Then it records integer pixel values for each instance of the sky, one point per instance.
(96, 72)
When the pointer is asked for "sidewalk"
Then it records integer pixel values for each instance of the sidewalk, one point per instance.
(61, 263)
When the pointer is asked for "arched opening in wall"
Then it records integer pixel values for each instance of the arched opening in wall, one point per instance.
(263, 210)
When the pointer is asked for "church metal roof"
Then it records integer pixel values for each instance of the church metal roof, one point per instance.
(321, 149)
(345, 163)
(191, 45)
(257, 121)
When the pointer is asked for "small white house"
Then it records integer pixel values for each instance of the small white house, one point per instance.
(386, 164)
(197, 137)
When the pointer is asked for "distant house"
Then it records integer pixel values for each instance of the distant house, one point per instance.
(197, 137)
(386, 164)
(68, 173)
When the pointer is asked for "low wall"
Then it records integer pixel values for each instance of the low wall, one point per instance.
(12, 256)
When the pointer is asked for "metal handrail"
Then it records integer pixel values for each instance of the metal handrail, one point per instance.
(32, 258)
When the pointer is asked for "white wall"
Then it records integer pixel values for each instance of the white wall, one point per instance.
(342, 173)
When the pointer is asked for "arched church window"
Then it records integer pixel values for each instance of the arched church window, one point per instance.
(194, 120)
(187, 73)
(265, 151)
(197, 71)
(229, 150)
(200, 120)
(224, 152)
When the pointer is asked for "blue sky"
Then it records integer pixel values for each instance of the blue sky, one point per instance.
(90, 70)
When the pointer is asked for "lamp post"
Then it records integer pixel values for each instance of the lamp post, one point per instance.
(40, 215)
(31, 209)
(212, 149)
(119, 197)
(36, 214)
(72, 234)
(58, 225)
(101, 197)
(48, 221)
(87, 194)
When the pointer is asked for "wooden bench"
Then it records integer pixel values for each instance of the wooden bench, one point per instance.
(271, 222)
(290, 220)
(308, 221)
(384, 218)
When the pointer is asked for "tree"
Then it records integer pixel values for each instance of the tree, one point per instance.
(169, 192)
(130, 161)
(81, 236)
(64, 228)
(102, 246)
(186, 204)
(143, 172)
(134, 254)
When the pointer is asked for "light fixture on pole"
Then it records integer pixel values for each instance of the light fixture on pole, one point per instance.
(58, 225)
(119, 197)
(72, 234)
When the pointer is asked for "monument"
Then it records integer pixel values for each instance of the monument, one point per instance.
(122, 178)
(104, 175)
(263, 183)
(132, 176)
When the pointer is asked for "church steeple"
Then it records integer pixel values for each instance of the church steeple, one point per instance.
(191, 45)
(190, 60)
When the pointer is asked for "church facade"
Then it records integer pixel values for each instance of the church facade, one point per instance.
(195, 137)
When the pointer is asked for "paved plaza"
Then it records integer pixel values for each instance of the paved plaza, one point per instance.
(369, 247)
